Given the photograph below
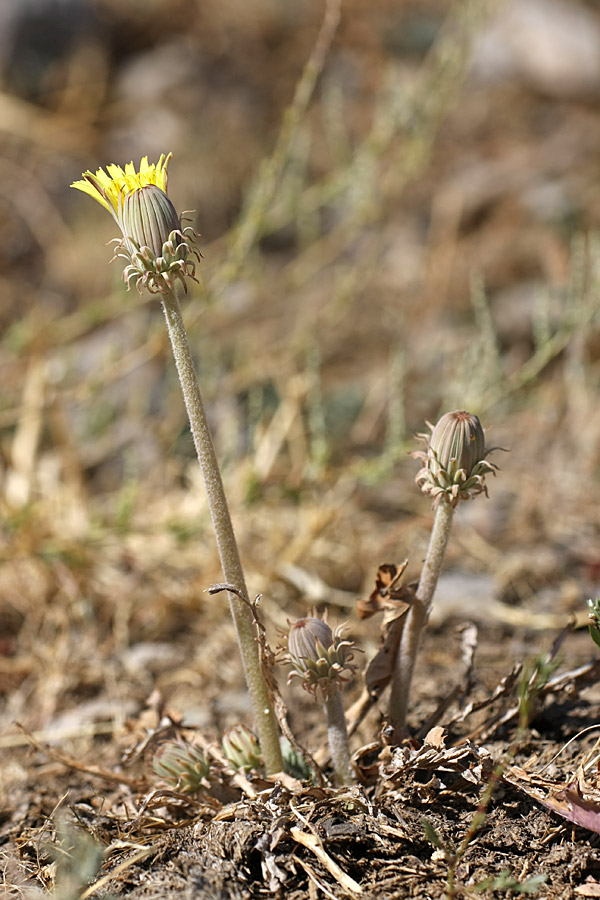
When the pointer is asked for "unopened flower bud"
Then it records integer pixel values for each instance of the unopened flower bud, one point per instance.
(149, 218)
(454, 463)
(241, 748)
(182, 766)
(320, 657)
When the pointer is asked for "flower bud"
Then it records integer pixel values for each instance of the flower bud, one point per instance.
(241, 748)
(149, 218)
(309, 637)
(182, 766)
(455, 459)
(319, 655)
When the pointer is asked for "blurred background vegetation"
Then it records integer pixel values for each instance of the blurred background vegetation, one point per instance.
(398, 202)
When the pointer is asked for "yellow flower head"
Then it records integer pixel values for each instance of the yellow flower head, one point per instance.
(156, 248)
(110, 190)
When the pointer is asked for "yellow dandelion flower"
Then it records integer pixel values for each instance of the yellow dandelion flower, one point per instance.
(154, 244)
(111, 189)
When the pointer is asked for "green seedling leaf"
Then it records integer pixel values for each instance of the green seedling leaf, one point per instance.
(507, 882)
(595, 634)
(432, 836)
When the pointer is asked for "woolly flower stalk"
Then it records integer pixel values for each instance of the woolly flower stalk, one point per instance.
(454, 469)
(154, 244)
(157, 252)
(322, 659)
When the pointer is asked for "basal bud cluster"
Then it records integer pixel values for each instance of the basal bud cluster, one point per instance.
(454, 461)
(320, 657)
(182, 766)
(241, 748)
(154, 245)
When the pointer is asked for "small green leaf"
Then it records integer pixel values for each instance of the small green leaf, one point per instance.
(506, 881)
(432, 835)
(595, 634)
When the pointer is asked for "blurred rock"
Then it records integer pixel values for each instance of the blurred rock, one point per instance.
(160, 74)
(35, 34)
(151, 657)
(159, 89)
(553, 46)
(463, 595)
(514, 310)
(74, 721)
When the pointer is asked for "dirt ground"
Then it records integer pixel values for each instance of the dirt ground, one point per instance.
(409, 227)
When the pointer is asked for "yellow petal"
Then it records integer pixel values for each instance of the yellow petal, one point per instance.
(109, 189)
(90, 189)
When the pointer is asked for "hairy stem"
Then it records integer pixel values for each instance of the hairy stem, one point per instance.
(337, 734)
(418, 616)
(262, 704)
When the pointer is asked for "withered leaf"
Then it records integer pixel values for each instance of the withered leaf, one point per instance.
(564, 798)
(380, 669)
(569, 804)
(394, 600)
(387, 588)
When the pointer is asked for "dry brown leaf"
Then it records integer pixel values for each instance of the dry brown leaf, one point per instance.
(394, 600)
(589, 889)
(569, 804)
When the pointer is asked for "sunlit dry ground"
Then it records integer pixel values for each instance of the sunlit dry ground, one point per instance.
(422, 238)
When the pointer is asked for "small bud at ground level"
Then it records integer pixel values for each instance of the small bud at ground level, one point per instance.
(241, 748)
(182, 766)
(594, 616)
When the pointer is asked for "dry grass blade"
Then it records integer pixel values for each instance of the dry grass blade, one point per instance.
(315, 882)
(140, 854)
(315, 845)
(90, 769)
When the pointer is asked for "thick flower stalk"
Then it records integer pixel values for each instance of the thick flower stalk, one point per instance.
(158, 254)
(322, 660)
(454, 469)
